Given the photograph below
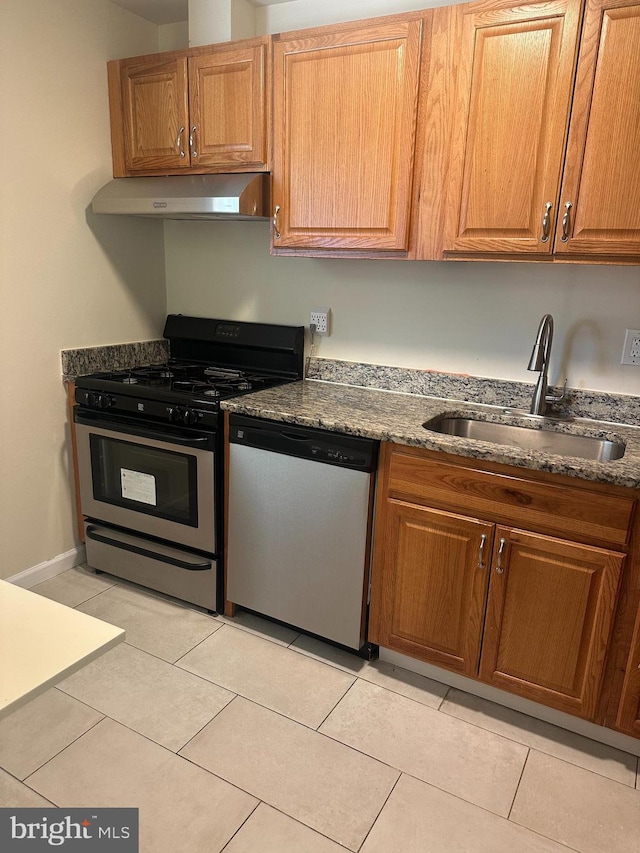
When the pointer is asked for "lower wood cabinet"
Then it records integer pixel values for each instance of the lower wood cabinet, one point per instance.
(519, 609)
(628, 718)
(549, 615)
(433, 587)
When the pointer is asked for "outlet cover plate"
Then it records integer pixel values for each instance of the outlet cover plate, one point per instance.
(321, 317)
(631, 351)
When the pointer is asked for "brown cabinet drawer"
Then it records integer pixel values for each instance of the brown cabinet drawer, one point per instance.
(585, 513)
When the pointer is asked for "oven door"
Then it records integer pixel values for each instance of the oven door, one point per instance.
(155, 480)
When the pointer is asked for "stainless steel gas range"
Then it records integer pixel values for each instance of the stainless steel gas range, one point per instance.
(150, 452)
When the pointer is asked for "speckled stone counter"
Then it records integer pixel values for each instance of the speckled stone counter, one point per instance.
(596, 405)
(398, 417)
(79, 362)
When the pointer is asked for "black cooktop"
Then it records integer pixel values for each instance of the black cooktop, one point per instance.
(208, 383)
(211, 360)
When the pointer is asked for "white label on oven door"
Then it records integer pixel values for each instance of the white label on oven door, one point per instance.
(137, 486)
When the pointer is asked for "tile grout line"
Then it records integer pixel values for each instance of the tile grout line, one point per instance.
(244, 822)
(64, 748)
(442, 701)
(515, 793)
(357, 675)
(333, 708)
(375, 820)
(195, 734)
(513, 739)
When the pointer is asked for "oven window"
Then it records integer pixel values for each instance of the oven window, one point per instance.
(145, 479)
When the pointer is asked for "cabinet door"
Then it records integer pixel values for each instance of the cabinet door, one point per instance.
(629, 711)
(602, 172)
(549, 617)
(345, 108)
(155, 114)
(429, 585)
(515, 74)
(227, 98)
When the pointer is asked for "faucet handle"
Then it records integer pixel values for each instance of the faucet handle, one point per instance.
(557, 398)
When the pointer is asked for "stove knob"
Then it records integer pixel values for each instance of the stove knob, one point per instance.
(175, 414)
(103, 401)
(191, 417)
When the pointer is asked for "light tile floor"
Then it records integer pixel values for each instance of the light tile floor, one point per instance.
(244, 736)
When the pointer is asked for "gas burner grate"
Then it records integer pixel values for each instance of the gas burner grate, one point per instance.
(189, 386)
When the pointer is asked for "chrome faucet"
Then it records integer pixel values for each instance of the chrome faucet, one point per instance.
(540, 361)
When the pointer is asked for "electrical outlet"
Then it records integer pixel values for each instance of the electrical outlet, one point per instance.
(322, 319)
(631, 351)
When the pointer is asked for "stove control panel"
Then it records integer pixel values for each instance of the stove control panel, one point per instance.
(184, 415)
(156, 410)
(94, 399)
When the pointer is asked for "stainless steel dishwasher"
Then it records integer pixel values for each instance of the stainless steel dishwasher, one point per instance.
(300, 507)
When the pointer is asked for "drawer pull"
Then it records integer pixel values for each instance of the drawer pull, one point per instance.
(565, 222)
(483, 542)
(179, 142)
(499, 568)
(546, 221)
(192, 140)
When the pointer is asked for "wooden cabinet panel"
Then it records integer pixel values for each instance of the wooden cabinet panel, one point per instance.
(514, 73)
(155, 114)
(345, 107)
(227, 96)
(629, 711)
(549, 618)
(602, 173)
(202, 110)
(435, 577)
(567, 510)
(559, 613)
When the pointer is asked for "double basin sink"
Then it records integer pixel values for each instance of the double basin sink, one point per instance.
(537, 437)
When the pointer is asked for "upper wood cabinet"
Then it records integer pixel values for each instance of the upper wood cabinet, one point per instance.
(202, 110)
(509, 115)
(601, 186)
(535, 125)
(345, 109)
(154, 117)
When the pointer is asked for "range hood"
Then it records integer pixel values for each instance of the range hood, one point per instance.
(240, 196)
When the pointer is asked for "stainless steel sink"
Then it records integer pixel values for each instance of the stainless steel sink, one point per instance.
(530, 438)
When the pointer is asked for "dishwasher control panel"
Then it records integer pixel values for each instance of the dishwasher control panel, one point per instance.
(304, 442)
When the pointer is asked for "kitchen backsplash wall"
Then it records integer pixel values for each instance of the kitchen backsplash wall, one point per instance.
(457, 317)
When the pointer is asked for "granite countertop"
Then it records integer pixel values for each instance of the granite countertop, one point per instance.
(398, 417)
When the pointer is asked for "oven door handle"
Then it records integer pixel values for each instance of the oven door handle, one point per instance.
(142, 432)
(93, 533)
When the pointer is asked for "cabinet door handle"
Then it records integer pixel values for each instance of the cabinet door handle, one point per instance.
(546, 221)
(192, 136)
(179, 142)
(483, 542)
(276, 232)
(499, 568)
(566, 224)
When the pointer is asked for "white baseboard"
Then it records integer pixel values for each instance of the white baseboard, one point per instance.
(50, 568)
(612, 738)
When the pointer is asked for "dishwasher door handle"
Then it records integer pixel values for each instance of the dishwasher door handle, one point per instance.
(292, 437)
